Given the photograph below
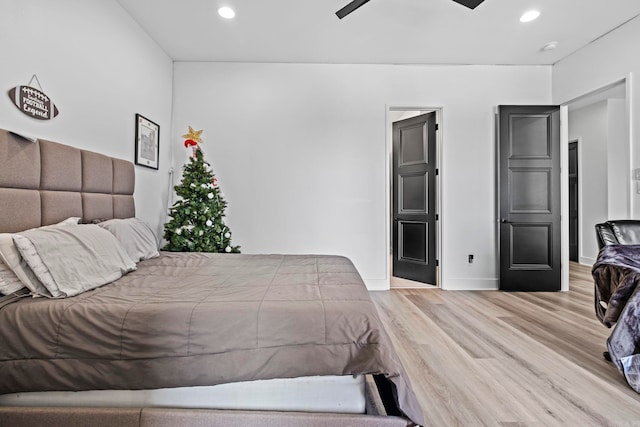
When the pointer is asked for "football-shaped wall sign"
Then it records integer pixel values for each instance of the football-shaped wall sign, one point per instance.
(33, 102)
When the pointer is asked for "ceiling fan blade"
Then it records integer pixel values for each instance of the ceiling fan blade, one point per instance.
(471, 4)
(350, 8)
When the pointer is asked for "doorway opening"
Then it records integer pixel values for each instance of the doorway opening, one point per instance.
(413, 149)
(600, 121)
(574, 201)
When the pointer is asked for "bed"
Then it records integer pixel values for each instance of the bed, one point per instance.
(177, 321)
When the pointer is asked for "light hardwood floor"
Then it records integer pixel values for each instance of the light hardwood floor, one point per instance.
(490, 358)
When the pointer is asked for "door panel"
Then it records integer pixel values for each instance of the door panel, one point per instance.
(531, 189)
(530, 246)
(414, 198)
(529, 197)
(413, 242)
(412, 143)
(528, 136)
(413, 188)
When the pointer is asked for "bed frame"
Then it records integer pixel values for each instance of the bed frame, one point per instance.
(44, 182)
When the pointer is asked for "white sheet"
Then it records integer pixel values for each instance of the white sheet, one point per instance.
(338, 394)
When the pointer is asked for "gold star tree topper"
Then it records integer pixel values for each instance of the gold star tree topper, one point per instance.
(194, 135)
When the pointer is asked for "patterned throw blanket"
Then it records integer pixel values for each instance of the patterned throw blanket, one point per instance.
(617, 301)
(616, 274)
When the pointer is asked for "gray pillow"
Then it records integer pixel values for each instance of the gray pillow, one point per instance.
(72, 260)
(135, 236)
(9, 282)
(10, 255)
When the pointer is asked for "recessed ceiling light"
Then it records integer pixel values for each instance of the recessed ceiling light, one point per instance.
(550, 46)
(529, 16)
(226, 12)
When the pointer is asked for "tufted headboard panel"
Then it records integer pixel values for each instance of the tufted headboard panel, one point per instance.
(44, 182)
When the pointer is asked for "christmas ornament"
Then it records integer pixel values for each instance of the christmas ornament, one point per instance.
(214, 182)
(209, 223)
(227, 235)
(193, 135)
(227, 249)
(210, 195)
(192, 140)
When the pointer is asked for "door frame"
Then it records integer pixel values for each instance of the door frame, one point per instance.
(564, 158)
(389, 187)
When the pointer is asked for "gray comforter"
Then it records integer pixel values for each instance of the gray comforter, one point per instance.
(192, 319)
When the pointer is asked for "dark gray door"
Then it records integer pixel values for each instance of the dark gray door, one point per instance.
(529, 197)
(414, 198)
(573, 201)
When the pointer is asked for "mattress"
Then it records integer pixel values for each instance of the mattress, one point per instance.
(336, 394)
(195, 319)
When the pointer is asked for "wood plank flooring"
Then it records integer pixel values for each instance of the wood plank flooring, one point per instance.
(490, 358)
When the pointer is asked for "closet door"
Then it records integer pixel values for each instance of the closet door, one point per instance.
(414, 198)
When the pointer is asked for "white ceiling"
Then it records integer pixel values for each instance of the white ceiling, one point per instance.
(380, 32)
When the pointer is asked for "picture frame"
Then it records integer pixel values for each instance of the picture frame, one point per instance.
(147, 142)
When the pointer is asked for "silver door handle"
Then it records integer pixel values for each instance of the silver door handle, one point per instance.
(504, 221)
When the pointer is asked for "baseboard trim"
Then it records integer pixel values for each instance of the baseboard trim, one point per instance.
(587, 261)
(377, 284)
(470, 284)
(454, 284)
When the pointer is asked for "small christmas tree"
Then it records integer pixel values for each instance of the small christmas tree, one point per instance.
(197, 223)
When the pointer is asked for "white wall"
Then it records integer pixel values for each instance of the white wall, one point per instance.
(301, 154)
(100, 69)
(589, 125)
(601, 63)
(618, 178)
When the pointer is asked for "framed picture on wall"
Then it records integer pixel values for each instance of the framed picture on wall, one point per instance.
(147, 142)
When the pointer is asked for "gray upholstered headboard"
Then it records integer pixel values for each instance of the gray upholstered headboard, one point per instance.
(44, 182)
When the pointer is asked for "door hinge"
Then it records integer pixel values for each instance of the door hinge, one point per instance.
(437, 263)
(437, 171)
(437, 126)
(437, 217)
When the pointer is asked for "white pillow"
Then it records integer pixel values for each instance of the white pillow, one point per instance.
(135, 236)
(9, 282)
(10, 255)
(12, 259)
(33, 260)
(72, 260)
